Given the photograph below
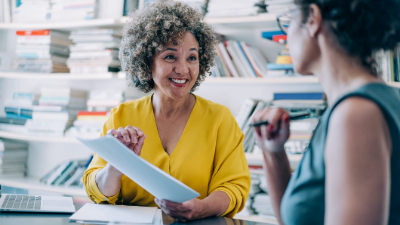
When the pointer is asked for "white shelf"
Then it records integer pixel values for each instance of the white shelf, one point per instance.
(270, 80)
(33, 183)
(394, 84)
(24, 137)
(266, 20)
(65, 25)
(57, 76)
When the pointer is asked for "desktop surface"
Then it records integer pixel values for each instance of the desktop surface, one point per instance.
(63, 219)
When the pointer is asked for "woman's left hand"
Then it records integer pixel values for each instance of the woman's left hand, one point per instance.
(190, 210)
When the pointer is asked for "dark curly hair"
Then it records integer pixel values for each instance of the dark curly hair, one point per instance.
(148, 30)
(361, 27)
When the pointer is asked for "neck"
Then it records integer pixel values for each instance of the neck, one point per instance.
(339, 74)
(165, 106)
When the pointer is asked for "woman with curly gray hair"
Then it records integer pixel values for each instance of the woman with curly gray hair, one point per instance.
(168, 48)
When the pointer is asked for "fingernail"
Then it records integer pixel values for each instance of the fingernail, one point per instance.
(140, 132)
(271, 127)
(127, 139)
(287, 118)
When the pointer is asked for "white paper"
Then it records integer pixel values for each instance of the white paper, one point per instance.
(115, 213)
(157, 220)
(157, 182)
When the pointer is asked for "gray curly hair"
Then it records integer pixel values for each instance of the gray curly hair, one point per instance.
(148, 30)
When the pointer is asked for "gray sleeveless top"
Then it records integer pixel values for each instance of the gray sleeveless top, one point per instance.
(304, 199)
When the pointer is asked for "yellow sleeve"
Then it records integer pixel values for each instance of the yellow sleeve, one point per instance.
(89, 177)
(231, 171)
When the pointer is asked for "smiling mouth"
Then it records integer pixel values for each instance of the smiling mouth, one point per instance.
(178, 81)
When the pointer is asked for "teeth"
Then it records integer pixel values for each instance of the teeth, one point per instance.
(178, 81)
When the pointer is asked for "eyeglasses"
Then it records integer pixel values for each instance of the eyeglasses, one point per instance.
(284, 21)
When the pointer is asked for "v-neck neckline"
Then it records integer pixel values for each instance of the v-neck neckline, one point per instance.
(184, 130)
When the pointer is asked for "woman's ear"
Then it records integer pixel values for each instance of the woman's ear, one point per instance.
(314, 21)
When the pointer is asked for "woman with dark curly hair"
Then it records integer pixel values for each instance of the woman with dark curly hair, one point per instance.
(168, 48)
(350, 173)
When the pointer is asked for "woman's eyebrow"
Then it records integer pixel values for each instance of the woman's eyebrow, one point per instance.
(193, 49)
(170, 49)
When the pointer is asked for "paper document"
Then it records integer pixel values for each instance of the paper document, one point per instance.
(156, 221)
(114, 213)
(154, 180)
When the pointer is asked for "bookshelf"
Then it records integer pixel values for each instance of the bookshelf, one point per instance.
(33, 183)
(57, 76)
(65, 25)
(24, 137)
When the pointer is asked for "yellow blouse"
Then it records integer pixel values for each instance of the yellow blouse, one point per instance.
(208, 157)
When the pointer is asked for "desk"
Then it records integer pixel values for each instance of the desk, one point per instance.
(7, 218)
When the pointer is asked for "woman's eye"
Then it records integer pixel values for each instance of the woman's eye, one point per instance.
(169, 57)
(192, 58)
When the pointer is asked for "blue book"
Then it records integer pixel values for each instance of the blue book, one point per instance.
(247, 59)
(270, 34)
(274, 66)
(299, 96)
(16, 116)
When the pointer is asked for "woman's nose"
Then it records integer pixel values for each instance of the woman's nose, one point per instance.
(181, 67)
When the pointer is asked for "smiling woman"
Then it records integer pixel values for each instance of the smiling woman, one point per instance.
(168, 48)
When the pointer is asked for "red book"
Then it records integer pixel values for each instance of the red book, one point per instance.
(33, 32)
(86, 113)
(279, 38)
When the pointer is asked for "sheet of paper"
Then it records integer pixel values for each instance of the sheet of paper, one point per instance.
(153, 179)
(115, 213)
(156, 221)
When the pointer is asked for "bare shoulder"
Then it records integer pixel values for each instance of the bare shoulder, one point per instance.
(358, 125)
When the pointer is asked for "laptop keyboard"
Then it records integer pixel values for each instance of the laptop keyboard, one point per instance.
(26, 202)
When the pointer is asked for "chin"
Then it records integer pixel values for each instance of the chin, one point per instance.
(302, 69)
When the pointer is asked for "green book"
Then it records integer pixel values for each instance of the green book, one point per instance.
(65, 174)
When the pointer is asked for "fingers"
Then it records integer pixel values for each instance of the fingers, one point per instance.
(139, 145)
(175, 210)
(125, 134)
(113, 132)
(132, 133)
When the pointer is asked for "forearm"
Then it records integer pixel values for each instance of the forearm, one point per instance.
(215, 204)
(278, 174)
(108, 180)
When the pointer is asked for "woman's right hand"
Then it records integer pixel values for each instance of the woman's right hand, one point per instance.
(272, 137)
(131, 137)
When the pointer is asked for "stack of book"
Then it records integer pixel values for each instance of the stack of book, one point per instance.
(13, 158)
(73, 10)
(94, 51)
(57, 110)
(33, 11)
(278, 6)
(68, 173)
(227, 8)
(42, 51)
(30, 11)
(263, 206)
(238, 59)
(88, 124)
(20, 106)
(104, 100)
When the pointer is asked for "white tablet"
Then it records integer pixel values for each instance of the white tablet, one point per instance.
(151, 178)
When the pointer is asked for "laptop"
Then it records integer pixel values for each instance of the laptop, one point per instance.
(36, 203)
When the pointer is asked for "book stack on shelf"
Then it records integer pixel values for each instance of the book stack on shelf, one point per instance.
(88, 124)
(13, 158)
(94, 51)
(68, 173)
(57, 109)
(389, 64)
(18, 110)
(278, 6)
(238, 59)
(104, 100)
(227, 8)
(33, 11)
(263, 206)
(29, 11)
(42, 51)
(75, 10)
